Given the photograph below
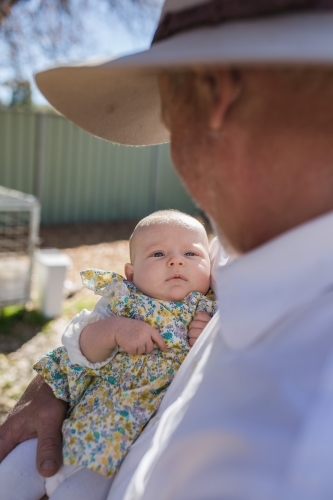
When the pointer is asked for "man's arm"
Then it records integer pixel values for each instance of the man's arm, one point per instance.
(37, 414)
(40, 414)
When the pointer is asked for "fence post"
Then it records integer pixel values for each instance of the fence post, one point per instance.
(155, 156)
(39, 155)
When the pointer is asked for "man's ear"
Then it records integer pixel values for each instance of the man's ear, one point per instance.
(225, 88)
(129, 272)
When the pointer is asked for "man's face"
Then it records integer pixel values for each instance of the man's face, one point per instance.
(198, 160)
(253, 174)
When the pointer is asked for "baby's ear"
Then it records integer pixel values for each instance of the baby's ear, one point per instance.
(129, 272)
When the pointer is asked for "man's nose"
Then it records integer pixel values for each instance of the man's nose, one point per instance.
(176, 260)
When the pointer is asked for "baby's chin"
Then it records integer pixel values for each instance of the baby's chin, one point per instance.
(176, 298)
(176, 292)
(175, 295)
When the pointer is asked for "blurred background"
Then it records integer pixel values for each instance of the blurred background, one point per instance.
(35, 34)
(76, 177)
(68, 200)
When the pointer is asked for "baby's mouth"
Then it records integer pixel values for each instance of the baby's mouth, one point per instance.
(177, 277)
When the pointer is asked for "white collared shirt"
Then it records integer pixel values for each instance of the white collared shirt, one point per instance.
(250, 413)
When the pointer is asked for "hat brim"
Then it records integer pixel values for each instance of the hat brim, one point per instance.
(119, 99)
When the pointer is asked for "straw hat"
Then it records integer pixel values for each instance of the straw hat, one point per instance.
(118, 100)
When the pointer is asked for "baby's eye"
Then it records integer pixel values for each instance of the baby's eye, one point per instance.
(190, 254)
(157, 254)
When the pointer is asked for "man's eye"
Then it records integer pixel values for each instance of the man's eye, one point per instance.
(190, 254)
(158, 254)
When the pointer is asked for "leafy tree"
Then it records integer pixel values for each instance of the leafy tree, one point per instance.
(21, 94)
(35, 29)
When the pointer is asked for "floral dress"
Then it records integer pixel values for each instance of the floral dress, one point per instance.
(110, 405)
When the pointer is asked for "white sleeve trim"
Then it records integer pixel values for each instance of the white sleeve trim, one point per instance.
(71, 338)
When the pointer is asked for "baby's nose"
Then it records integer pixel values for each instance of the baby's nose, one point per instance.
(176, 260)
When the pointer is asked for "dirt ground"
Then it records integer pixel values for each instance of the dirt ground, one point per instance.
(103, 245)
(100, 245)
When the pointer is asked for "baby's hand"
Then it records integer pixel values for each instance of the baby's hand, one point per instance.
(98, 340)
(200, 321)
(140, 339)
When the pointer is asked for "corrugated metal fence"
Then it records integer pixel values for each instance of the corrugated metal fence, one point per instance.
(80, 178)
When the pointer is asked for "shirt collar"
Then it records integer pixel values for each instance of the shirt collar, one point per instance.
(265, 285)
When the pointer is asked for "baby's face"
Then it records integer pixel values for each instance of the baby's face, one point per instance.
(170, 261)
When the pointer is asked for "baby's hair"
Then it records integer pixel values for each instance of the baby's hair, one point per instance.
(165, 217)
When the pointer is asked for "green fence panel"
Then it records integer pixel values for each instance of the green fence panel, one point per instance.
(170, 192)
(17, 150)
(80, 178)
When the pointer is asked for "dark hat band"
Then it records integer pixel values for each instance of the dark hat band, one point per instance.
(218, 11)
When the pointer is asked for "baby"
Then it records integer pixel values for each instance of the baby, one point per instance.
(114, 380)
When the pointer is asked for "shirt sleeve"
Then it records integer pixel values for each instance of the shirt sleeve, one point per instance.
(71, 336)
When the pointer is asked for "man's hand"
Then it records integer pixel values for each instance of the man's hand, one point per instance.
(200, 321)
(37, 414)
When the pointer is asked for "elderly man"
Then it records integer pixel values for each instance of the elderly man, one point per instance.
(247, 96)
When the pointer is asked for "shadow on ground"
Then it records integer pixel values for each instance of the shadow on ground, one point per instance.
(17, 326)
(92, 233)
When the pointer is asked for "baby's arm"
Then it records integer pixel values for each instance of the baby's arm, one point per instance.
(98, 340)
(93, 337)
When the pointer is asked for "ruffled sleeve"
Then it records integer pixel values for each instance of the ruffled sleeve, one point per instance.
(114, 291)
(105, 283)
(71, 336)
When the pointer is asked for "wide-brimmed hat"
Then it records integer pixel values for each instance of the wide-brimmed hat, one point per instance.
(118, 100)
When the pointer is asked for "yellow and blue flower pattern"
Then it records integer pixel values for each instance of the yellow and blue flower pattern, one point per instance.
(109, 406)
